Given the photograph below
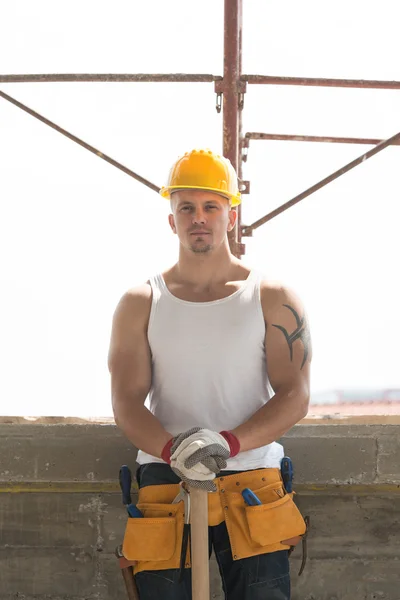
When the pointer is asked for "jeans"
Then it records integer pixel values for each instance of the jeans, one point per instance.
(262, 577)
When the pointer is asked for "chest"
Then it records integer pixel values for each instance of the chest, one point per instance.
(191, 294)
(207, 335)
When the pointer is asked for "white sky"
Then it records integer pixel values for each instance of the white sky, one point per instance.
(76, 232)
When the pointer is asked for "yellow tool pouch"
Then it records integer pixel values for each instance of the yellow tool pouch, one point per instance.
(274, 522)
(273, 525)
(155, 541)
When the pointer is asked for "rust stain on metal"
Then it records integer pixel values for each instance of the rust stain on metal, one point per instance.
(230, 97)
(196, 78)
(133, 78)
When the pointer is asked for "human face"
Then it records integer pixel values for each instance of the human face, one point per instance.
(201, 219)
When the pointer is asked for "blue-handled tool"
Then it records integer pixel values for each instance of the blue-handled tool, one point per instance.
(125, 482)
(287, 473)
(134, 512)
(250, 498)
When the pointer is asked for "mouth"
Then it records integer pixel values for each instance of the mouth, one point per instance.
(200, 233)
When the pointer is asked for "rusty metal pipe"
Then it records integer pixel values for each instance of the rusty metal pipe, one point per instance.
(240, 247)
(195, 78)
(80, 142)
(314, 138)
(247, 230)
(111, 77)
(230, 95)
(320, 82)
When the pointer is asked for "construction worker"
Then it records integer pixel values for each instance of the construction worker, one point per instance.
(223, 356)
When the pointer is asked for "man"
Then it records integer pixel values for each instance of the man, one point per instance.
(224, 356)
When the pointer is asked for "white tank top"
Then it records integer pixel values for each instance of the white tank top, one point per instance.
(209, 366)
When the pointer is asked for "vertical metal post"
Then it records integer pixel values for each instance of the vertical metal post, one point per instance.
(240, 246)
(230, 88)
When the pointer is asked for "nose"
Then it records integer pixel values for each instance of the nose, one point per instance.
(199, 216)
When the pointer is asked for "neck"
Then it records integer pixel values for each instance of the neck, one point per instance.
(203, 270)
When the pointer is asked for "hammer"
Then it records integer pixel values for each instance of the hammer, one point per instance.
(199, 544)
(125, 482)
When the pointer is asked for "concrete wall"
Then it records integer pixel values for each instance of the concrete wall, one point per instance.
(61, 515)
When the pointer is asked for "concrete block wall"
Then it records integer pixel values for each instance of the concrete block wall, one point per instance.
(61, 515)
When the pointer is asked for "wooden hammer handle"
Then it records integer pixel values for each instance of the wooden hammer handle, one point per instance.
(199, 544)
(130, 584)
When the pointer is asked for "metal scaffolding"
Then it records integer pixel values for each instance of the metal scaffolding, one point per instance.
(230, 90)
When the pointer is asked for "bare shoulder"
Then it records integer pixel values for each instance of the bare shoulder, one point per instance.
(134, 303)
(129, 326)
(139, 293)
(129, 359)
(277, 298)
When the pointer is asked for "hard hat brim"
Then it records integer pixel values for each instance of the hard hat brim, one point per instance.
(166, 192)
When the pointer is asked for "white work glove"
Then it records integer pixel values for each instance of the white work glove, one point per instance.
(197, 455)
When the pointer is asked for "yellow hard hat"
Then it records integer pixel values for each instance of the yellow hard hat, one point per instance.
(203, 170)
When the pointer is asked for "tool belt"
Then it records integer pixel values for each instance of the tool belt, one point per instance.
(154, 541)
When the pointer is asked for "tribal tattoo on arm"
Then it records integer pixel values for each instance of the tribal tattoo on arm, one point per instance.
(302, 332)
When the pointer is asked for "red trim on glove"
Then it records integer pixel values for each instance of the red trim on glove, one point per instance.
(166, 451)
(232, 440)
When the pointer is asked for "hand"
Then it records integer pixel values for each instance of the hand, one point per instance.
(198, 454)
(196, 457)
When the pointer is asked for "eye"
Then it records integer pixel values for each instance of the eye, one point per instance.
(186, 208)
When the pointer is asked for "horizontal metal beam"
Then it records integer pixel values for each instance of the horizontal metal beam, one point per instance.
(112, 77)
(195, 78)
(312, 138)
(80, 142)
(248, 230)
(320, 82)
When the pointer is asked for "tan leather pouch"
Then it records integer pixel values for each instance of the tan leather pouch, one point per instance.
(154, 541)
(276, 524)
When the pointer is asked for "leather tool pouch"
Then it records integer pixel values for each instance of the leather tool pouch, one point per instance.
(154, 541)
(276, 524)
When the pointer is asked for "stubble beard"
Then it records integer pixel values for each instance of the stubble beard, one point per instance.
(201, 249)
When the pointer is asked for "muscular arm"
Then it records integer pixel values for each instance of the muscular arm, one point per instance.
(129, 362)
(288, 353)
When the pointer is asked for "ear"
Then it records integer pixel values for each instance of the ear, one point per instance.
(232, 219)
(171, 222)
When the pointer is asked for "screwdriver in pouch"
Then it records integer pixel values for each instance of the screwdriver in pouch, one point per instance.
(125, 482)
(287, 474)
(250, 498)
